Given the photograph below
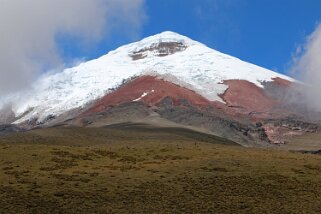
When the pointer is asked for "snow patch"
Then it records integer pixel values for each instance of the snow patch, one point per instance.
(143, 95)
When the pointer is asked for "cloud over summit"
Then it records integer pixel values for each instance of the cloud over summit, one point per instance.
(29, 31)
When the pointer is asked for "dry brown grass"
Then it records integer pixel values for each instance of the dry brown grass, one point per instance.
(72, 170)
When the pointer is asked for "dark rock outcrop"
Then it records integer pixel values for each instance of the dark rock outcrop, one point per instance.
(9, 128)
(161, 49)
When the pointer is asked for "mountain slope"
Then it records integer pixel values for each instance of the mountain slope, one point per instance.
(173, 57)
(165, 80)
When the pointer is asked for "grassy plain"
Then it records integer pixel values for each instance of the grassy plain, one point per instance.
(140, 169)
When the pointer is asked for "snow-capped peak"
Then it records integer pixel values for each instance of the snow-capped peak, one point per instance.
(166, 36)
(170, 56)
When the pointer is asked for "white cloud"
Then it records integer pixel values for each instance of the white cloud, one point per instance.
(28, 32)
(307, 65)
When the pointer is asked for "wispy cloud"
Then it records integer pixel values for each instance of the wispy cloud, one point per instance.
(29, 29)
(307, 66)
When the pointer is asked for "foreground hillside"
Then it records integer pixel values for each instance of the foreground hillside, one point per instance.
(131, 169)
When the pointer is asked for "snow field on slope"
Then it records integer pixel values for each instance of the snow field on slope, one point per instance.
(198, 68)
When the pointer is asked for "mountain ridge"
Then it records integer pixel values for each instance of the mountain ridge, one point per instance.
(168, 55)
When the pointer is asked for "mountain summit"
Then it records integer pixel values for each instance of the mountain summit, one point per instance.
(163, 71)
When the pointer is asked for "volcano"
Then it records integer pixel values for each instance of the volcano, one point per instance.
(165, 80)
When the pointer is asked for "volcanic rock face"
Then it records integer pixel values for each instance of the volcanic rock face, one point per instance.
(238, 119)
(167, 75)
(161, 49)
(241, 97)
(151, 91)
(247, 98)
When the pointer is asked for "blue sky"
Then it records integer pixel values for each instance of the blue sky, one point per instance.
(264, 32)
